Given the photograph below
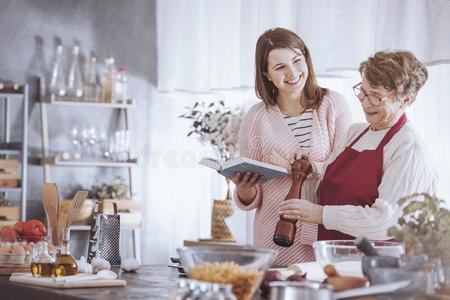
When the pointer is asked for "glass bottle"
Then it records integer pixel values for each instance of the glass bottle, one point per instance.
(65, 264)
(121, 85)
(194, 291)
(42, 263)
(57, 82)
(182, 290)
(74, 82)
(91, 87)
(109, 82)
(227, 292)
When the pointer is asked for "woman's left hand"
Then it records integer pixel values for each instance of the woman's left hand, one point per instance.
(303, 210)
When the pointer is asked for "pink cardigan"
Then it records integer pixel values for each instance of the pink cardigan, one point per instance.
(263, 131)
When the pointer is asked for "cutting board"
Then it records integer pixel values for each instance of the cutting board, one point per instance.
(7, 269)
(49, 282)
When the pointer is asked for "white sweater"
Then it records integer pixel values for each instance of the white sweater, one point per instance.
(406, 171)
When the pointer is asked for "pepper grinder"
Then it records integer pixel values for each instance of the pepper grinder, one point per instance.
(285, 230)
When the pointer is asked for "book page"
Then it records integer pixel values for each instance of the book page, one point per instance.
(211, 163)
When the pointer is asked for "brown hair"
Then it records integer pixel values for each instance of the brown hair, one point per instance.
(398, 71)
(276, 38)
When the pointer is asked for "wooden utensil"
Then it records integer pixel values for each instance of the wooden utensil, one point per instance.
(342, 283)
(50, 200)
(75, 206)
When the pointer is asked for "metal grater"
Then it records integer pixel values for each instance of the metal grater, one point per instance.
(104, 238)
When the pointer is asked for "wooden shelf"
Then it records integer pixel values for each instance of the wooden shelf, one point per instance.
(55, 161)
(80, 227)
(10, 95)
(7, 223)
(68, 102)
(9, 189)
(10, 148)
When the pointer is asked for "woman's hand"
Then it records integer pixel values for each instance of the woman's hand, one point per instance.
(303, 210)
(246, 187)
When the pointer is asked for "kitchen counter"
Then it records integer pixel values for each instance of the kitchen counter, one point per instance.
(150, 282)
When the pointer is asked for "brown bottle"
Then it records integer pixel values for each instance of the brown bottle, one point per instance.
(285, 230)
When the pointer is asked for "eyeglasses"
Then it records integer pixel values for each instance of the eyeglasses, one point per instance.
(373, 99)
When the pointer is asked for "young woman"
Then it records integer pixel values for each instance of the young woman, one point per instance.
(295, 117)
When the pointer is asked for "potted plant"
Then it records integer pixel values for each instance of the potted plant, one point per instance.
(424, 229)
(115, 190)
(216, 125)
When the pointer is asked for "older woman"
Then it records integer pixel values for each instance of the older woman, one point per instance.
(375, 164)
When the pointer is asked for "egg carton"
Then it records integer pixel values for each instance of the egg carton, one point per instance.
(14, 258)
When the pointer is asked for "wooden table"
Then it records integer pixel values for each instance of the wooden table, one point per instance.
(150, 282)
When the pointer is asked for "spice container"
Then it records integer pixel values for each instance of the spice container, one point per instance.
(305, 290)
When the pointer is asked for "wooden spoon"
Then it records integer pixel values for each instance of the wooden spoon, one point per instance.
(50, 200)
(341, 283)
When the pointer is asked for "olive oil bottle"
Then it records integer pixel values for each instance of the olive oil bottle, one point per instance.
(65, 264)
(42, 269)
(42, 263)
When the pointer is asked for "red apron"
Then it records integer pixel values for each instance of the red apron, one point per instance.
(353, 178)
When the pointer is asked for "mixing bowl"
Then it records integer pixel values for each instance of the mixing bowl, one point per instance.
(346, 258)
(243, 268)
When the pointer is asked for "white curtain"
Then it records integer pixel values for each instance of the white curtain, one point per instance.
(206, 52)
(207, 45)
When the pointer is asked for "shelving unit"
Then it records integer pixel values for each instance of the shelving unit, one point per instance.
(13, 148)
(48, 161)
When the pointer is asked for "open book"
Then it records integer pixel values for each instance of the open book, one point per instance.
(244, 164)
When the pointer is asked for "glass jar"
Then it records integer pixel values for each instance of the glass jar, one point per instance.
(42, 263)
(228, 292)
(181, 291)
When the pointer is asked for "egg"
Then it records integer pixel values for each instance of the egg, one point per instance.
(18, 250)
(5, 249)
(28, 247)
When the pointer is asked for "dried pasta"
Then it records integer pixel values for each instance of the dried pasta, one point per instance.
(243, 280)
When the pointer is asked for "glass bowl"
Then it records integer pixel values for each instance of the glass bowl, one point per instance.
(346, 258)
(242, 267)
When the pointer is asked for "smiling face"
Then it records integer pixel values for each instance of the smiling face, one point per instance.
(388, 112)
(287, 70)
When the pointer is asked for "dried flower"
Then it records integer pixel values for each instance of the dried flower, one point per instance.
(216, 125)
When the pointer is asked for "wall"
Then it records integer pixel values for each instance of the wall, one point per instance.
(126, 30)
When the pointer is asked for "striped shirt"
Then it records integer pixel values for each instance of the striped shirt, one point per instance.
(301, 127)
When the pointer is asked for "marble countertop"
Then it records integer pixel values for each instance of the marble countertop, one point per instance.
(150, 282)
